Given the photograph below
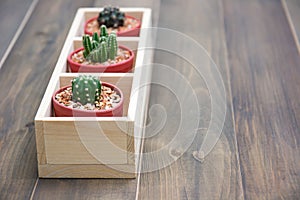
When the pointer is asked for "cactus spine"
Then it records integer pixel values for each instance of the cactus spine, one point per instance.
(86, 89)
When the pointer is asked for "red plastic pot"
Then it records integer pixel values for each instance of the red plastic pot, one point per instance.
(121, 67)
(63, 111)
(128, 33)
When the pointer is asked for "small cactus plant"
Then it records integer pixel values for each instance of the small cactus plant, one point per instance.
(86, 89)
(111, 17)
(102, 47)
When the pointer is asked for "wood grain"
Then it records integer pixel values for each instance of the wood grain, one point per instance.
(218, 177)
(262, 75)
(84, 142)
(292, 11)
(9, 22)
(24, 77)
(264, 71)
(85, 171)
(86, 189)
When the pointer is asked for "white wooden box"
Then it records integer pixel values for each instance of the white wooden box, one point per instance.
(96, 147)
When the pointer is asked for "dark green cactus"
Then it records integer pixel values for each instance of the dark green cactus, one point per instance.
(102, 48)
(103, 31)
(86, 89)
(95, 41)
(96, 37)
(111, 17)
(87, 45)
(112, 46)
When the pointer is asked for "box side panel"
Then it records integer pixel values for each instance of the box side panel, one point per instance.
(87, 171)
(136, 14)
(40, 142)
(85, 142)
(131, 143)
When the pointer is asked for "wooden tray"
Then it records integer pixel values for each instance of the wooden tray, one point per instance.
(96, 147)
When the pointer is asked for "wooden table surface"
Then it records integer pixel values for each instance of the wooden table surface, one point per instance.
(255, 45)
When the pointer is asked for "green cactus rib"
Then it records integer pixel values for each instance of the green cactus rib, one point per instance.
(112, 46)
(95, 40)
(87, 44)
(86, 89)
(100, 54)
(103, 52)
(94, 45)
(96, 37)
(103, 31)
(85, 54)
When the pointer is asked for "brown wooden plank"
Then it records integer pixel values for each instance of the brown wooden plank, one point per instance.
(9, 22)
(85, 189)
(292, 11)
(23, 78)
(218, 177)
(264, 71)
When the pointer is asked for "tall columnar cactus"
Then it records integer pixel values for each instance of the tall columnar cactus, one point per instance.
(95, 41)
(103, 31)
(86, 89)
(111, 17)
(87, 45)
(103, 52)
(112, 46)
(100, 54)
(102, 47)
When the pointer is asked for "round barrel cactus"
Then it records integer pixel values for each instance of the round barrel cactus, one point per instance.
(111, 17)
(86, 89)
